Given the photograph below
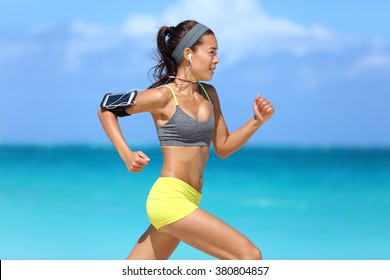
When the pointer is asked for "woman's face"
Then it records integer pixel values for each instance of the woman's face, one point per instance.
(205, 59)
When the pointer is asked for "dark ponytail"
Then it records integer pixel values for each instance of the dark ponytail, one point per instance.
(167, 40)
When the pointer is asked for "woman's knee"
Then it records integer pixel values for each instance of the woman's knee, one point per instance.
(254, 253)
(250, 252)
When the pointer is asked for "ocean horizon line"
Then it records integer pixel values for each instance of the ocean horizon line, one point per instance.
(108, 146)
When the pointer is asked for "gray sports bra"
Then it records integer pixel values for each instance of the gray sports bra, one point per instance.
(183, 130)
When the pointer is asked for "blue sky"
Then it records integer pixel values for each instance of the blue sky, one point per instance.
(325, 66)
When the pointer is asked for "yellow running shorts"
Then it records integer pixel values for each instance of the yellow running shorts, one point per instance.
(170, 200)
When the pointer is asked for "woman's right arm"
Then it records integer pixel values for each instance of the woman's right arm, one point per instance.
(135, 161)
(148, 101)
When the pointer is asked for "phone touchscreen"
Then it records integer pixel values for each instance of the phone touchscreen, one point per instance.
(118, 99)
(112, 101)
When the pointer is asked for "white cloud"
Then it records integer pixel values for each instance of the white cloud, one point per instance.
(84, 39)
(243, 28)
(375, 60)
(11, 50)
(84, 29)
(140, 25)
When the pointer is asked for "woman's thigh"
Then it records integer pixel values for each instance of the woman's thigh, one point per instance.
(212, 236)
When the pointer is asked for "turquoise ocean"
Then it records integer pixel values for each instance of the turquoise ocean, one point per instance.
(79, 202)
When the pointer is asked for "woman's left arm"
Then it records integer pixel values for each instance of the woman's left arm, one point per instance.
(225, 143)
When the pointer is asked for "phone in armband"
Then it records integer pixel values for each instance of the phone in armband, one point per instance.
(117, 102)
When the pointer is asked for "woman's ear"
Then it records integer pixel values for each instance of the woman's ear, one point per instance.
(188, 54)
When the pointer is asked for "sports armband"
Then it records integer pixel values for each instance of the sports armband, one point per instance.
(118, 102)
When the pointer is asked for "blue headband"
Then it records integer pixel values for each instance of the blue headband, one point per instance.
(188, 40)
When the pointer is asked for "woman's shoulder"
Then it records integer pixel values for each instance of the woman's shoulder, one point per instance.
(160, 94)
(208, 86)
(152, 100)
(157, 91)
(211, 91)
